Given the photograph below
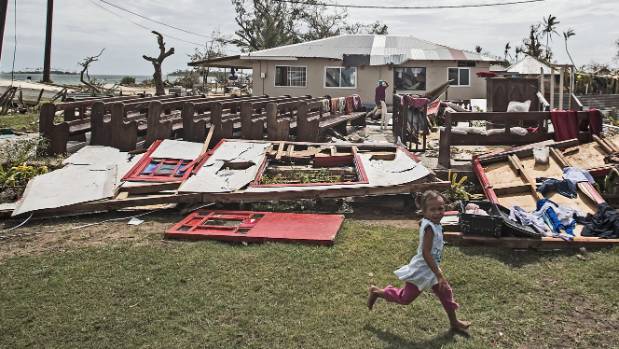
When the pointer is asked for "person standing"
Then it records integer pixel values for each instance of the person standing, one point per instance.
(379, 95)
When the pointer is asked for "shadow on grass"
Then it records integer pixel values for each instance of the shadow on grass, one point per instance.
(394, 341)
(520, 257)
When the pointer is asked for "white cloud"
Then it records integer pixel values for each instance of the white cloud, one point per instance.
(82, 28)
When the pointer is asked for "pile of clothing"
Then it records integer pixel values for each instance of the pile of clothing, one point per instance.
(551, 219)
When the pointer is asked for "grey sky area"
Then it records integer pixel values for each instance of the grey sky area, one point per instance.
(81, 28)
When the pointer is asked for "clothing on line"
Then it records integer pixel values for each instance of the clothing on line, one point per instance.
(410, 292)
(565, 124)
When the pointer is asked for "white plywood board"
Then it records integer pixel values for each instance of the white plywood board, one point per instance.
(173, 149)
(69, 185)
(213, 177)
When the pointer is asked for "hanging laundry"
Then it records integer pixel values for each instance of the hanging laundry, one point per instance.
(595, 121)
(577, 175)
(604, 223)
(333, 105)
(566, 187)
(518, 214)
(325, 105)
(356, 102)
(349, 102)
(560, 219)
(433, 107)
(418, 102)
(565, 124)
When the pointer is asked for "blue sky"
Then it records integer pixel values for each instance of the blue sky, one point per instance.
(81, 29)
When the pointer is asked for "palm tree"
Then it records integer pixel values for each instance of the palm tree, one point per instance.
(506, 53)
(550, 28)
(566, 35)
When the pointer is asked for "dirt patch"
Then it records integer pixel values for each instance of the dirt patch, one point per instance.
(59, 234)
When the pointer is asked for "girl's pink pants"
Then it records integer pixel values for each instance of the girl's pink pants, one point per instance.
(408, 294)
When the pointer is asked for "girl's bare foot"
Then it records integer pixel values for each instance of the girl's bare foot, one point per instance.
(372, 296)
(460, 325)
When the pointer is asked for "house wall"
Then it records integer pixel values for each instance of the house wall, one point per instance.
(367, 77)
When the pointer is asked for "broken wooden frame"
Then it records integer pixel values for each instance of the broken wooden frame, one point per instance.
(255, 226)
(509, 179)
(509, 120)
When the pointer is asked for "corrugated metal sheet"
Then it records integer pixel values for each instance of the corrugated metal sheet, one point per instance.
(382, 49)
(529, 66)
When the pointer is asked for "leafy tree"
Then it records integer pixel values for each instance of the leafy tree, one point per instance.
(549, 28)
(478, 49)
(270, 23)
(566, 35)
(532, 45)
(266, 24)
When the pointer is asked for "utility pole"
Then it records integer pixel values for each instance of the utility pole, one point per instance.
(48, 42)
(3, 7)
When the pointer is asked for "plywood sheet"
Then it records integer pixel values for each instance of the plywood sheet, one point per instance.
(589, 155)
(500, 174)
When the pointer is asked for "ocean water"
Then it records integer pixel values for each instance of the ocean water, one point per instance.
(74, 79)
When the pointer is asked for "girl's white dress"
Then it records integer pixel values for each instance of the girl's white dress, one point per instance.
(417, 270)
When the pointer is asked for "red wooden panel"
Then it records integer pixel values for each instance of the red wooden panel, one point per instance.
(149, 169)
(252, 226)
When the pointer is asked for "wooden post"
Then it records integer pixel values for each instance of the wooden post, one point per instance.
(561, 84)
(541, 82)
(552, 88)
(572, 83)
(48, 42)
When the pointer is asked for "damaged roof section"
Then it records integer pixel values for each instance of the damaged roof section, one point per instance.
(93, 173)
(95, 178)
(232, 166)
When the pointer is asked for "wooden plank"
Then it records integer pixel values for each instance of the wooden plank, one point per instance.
(290, 150)
(525, 243)
(280, 150)
(150, 188)
(515, 163)
(207, 141)
(244, 196)
(608, 149)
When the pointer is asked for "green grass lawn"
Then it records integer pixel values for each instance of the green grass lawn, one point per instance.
(28, 122)
(153, 294)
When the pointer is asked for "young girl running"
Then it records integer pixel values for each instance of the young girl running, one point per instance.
(423, 271)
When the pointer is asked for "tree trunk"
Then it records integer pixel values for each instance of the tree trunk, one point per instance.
(159, 88)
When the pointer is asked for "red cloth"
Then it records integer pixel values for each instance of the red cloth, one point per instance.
(433, 107)
(349, 105)
(595, 121)
(565, 123)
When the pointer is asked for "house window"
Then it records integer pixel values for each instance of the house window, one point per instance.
(459, 76)
(342, 77)
(290, 76)
(410, 78)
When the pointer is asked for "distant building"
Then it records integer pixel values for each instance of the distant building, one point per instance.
(347, 64)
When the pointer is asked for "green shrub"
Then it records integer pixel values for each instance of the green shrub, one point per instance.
(127, 80)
